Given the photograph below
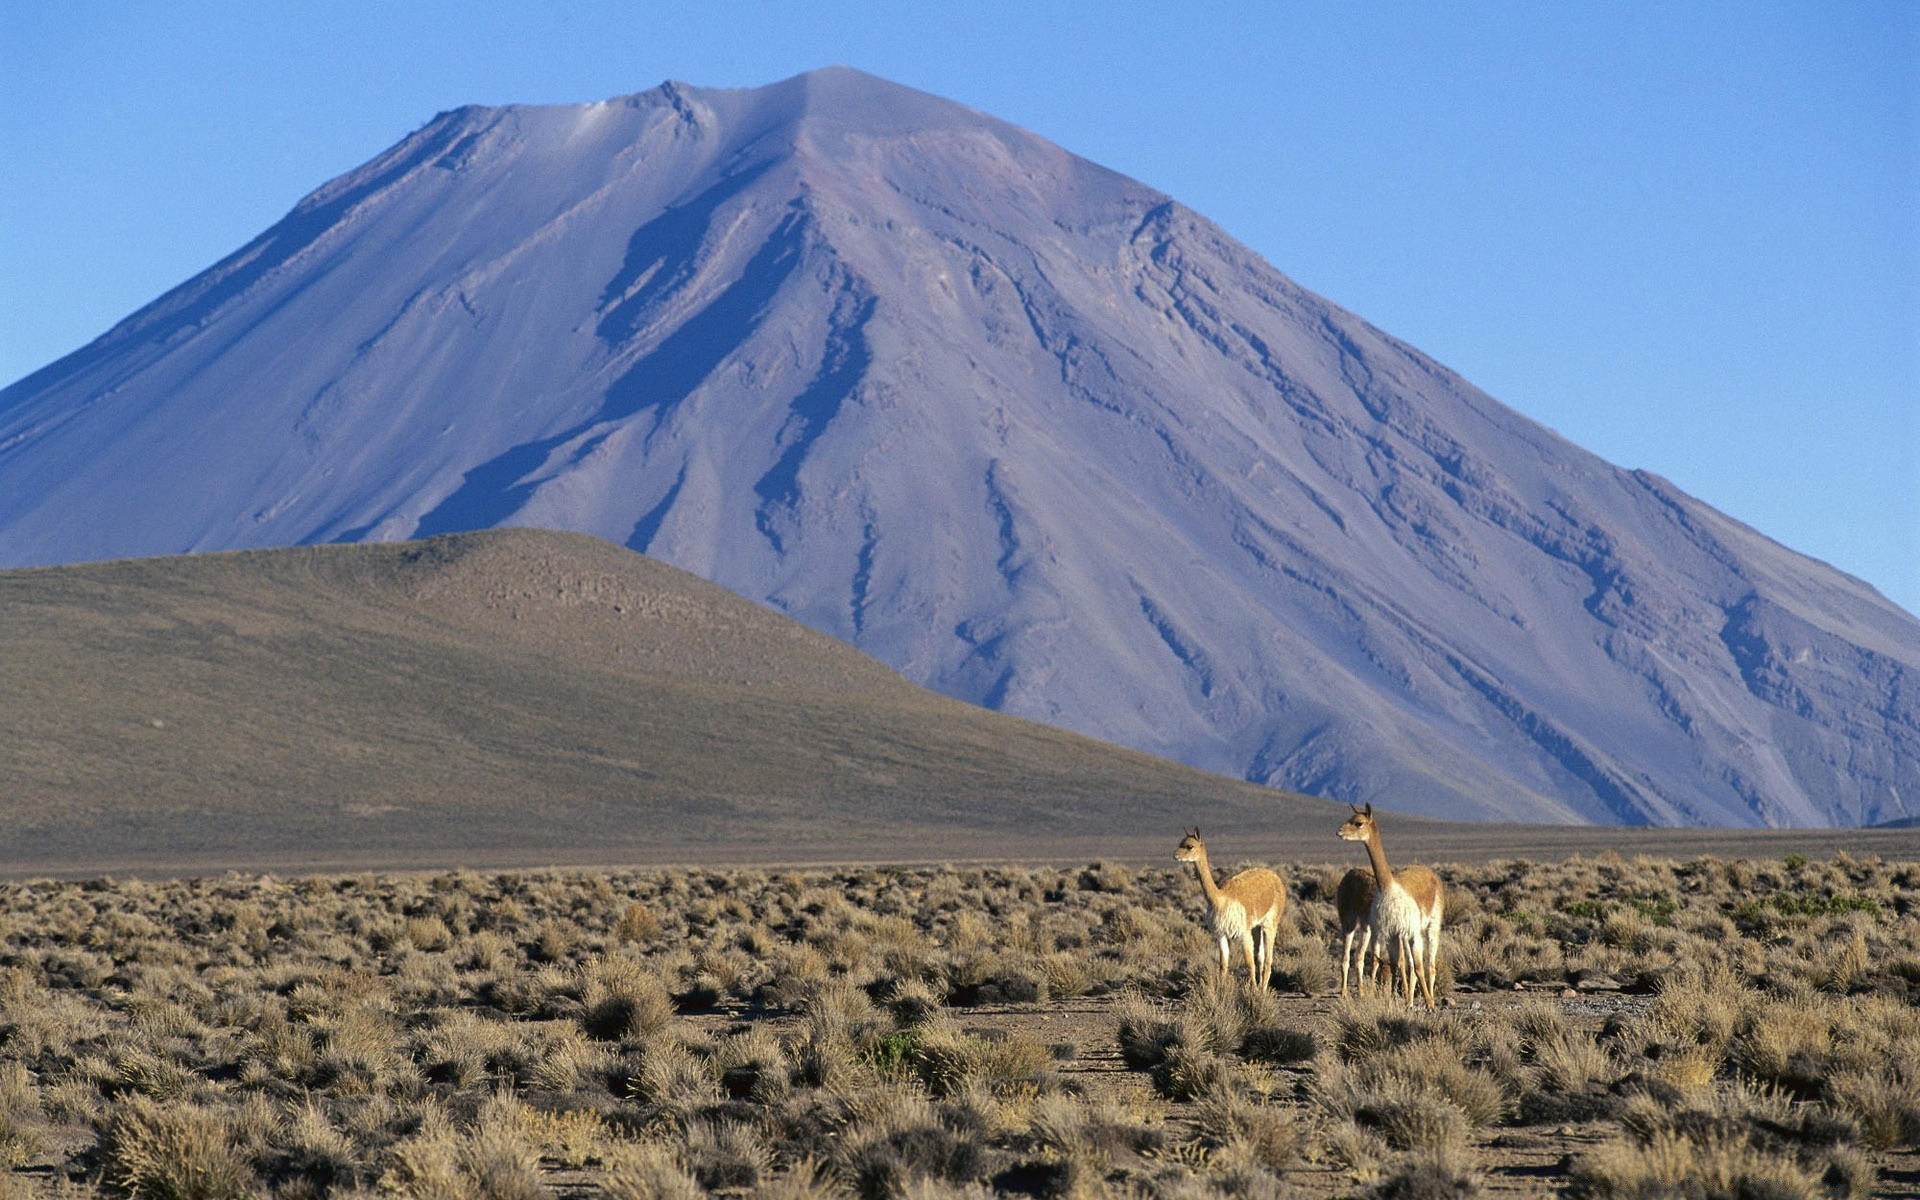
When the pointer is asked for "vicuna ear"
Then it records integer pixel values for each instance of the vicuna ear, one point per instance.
(1369, 811)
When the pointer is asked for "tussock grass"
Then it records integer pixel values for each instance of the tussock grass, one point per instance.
(173, 1151)
(870, 1032)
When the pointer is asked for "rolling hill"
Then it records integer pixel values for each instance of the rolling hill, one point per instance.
(515, 696)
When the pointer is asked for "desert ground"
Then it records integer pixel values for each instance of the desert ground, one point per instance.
(1609, 1025)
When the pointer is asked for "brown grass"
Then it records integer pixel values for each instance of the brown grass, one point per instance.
(928, 1031)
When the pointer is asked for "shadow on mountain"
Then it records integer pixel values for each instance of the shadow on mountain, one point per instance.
(491, 493)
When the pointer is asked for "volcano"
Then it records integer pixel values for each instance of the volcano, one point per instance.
(1029, 432)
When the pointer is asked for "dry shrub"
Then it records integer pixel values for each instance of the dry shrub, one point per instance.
(1719, 1164)
(425, 1165)
(1406, 1114)
(485, 951)
(637, 923)
(1087, 1134)
(1147, 1032)
(1217, 1013)
(313, 1150)
(1781, 1136)
(1279, 1045)
(1369, 1025)
(161, 1017)
(1568, 1074)
(913, 1000)
(622, 999)
(829, 1061)
(1690, 1070)
(1263, 1133)
(563, 1061)
(1302, 966)
(1421, 1094)
(727, 1155)
(673, 1080)
(499, 1157)
(649, 1171)
(358, 1049)
(1191, 1072)
(1143, 936)
(41, 1025)
(154, 1150)
(139, 1069)
(949, 1058)
(427, 933)
(721, 973)
(901, 1143)
(998, 977)
(460, 1048)
(1792, 1044)
(798, 971)
(1067, 975)
(1358, 1148)
(843, 1016)
(71, 1100)
(1885, 1102)
(1264, 1034)
(1109, 877)
(570, 1137)
(1692, 1010)
(807, 1179)
(753, 1065)
(498, 1164)
(555, 942)
(1437, 1174)
(1571, 1063)
(1179, 1050)
(19, 1142)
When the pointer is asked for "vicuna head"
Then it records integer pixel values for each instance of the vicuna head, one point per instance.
(1359, 826)
(1191, 847)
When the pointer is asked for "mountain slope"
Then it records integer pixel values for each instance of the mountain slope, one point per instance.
(1027, 431)
(514, 694)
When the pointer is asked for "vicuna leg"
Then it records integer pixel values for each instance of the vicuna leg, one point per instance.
(1357, 957)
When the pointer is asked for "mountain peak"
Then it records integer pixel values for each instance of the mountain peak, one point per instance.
(1023, 429)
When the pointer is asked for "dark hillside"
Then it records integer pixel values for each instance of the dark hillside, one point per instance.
(510, 696)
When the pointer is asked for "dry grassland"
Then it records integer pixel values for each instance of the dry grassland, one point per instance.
(1612, 1028)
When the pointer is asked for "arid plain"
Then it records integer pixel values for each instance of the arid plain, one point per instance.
(514, 865)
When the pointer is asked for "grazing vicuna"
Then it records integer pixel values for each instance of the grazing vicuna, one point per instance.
(1353, 903)
(1247, 907)
(1406, 913)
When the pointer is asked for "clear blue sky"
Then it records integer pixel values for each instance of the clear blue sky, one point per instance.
(1685, 235)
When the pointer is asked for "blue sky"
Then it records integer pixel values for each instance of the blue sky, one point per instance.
(1685, 235)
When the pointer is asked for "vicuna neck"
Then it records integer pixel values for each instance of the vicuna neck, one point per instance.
(1382, 873)
(1205, 871)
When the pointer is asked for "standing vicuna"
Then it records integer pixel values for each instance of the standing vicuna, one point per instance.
(1353, 904)
(1407, 909)
(1248, 907)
